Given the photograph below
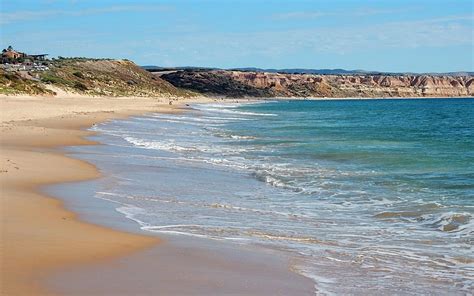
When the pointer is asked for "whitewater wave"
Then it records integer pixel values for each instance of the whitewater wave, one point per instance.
(159, 145)
(385, 224)
(224, 109)
(451, 222)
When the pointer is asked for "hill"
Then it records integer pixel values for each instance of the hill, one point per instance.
(13, 83)
(97, 77)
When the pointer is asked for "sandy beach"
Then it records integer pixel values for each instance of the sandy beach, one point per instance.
(40, 237)
(252, 148)
(38, 234)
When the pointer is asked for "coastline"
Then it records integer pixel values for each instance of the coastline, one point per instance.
(59, 250)
(365, 98)
(35, 244)
(268, 99)
(36, 247)
(163, 171)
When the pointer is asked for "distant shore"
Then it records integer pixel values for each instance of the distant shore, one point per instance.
(375, 99)
(107, 77)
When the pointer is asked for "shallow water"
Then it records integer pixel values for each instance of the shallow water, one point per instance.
(369, 196)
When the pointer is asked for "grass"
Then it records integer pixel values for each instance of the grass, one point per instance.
(80, 86)
(78, 74)
(13, 83)
(99, 77)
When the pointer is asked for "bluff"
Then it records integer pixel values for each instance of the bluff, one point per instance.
(260, 84)
(97, 77)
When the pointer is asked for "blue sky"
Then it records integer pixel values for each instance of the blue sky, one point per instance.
(419, 36)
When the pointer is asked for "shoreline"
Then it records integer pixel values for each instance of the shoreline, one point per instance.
(61, 241)
(146, 184)
(34, 129)
(358, 98)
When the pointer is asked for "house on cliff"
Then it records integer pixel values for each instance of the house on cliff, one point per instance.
(9, 55)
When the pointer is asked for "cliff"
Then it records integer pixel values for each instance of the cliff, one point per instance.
(124, 78)
(258, 84)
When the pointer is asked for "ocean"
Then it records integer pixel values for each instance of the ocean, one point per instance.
(367, 196)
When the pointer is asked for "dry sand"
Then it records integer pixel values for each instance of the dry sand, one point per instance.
(39, 237)
(38, 234)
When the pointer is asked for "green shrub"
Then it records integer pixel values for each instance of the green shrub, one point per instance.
(78, 74)
(50, 78)
(80, 86)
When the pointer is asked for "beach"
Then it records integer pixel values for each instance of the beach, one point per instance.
(40, 237)
(107, 196)
(38, 234)
(251, 148)
(332, 185)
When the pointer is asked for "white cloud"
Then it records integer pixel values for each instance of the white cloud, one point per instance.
(300, 15)
(442, 32)
(360, 12)
(199, 46)
(27, 15)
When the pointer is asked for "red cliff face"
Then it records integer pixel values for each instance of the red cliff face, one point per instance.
(357, 85)
(306, 85)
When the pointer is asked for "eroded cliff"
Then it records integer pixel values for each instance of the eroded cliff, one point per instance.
(260, 84)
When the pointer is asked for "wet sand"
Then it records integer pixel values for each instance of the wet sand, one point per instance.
(38, 234)
(185, 266)
(40, 239)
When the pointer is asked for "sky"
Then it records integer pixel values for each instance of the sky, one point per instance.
(392, 36)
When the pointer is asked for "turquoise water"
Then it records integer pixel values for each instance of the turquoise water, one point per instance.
(368, 196)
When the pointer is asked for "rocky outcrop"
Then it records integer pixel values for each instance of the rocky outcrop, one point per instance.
(216, 83)
(260, 84)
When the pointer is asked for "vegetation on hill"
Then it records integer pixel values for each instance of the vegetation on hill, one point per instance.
(12, 83)
(103, 77)
(97, 77)
(106, 77)
(213, 83)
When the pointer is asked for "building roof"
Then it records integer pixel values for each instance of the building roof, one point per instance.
(11, 54)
